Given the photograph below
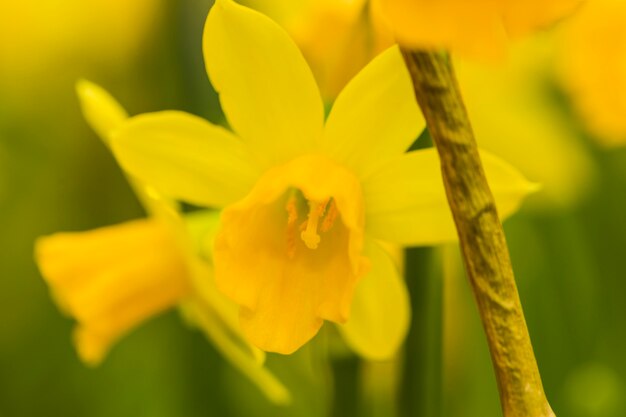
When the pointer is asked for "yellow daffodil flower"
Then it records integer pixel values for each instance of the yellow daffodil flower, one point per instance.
(477, 28)
(592, 53)
(114, 278)
(304, 200)
(135, 275)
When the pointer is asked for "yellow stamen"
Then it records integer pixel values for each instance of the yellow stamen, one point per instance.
(309, 236)
(292, 219)
(330, 217)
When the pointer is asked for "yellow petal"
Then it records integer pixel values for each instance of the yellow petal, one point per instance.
(103, 113)
(185, 157)
(375, 117)
(269, 260)
(379, 320)
(112, 279)
(266, 89)
(406, 200)
(217, 317)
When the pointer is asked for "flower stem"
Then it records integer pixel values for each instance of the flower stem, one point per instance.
(346, 399)
(420, 393)
(483, 244)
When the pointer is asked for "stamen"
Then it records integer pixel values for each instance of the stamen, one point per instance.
(292, 219)
(292, 210)
(309, 236)
(331, 215)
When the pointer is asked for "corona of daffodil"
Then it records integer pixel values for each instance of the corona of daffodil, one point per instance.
(477, 28)
(114, 278)
(304, 200)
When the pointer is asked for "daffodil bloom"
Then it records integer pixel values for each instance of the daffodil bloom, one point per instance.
(114, 278)
(135, 275)
(304, 200)
(592, 67)
(337, 38)
(478, 28)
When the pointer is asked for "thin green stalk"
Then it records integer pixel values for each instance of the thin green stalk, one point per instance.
(346, 396)
(483, 244)
(420, 388)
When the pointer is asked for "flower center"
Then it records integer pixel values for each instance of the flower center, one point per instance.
(320, 219)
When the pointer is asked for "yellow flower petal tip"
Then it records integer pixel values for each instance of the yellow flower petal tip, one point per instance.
(103, 113)
(112, 279)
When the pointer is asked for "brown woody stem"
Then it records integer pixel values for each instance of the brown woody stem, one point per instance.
(483, 244)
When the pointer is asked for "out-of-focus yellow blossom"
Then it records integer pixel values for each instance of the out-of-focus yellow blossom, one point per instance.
(43, 37)
(304, 200)
(114, 278)
(514, 115)
(592, 51)
(336, 37)
(478, 28)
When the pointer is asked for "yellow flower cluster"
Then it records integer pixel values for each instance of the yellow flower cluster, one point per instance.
(114, 278)
(305, 202)
(303, 199)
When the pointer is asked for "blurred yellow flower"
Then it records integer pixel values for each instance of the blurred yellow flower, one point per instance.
(114, 278)
(304, 200)
(337, 38)
(478, 28)
(592, 51)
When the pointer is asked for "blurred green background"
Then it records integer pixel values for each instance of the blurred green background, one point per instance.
(56, 175)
